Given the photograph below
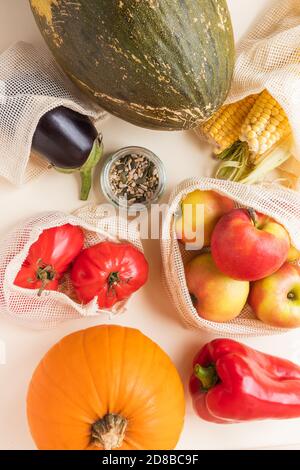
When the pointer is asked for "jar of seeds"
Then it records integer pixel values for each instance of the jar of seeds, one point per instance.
(133, 177)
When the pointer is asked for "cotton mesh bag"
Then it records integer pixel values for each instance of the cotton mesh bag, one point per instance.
(268, 57)
(273, 200)
(31, 84)
(53, 307)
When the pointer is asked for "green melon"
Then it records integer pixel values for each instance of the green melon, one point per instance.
(161, 64)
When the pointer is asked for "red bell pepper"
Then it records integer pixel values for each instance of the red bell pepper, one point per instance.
(50, 257)
(232, 382)
(110, 272)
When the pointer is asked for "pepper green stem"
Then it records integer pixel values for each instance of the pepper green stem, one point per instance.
(207, 375)
(87, 168)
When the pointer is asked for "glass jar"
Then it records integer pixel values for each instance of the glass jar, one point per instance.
(122, 202)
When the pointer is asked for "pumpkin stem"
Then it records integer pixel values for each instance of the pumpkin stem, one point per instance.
(109, 431)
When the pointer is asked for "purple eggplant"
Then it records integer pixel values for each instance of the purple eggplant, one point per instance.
(70, 142)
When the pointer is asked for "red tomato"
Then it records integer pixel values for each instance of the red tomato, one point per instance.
(109, 271)
(49, 257)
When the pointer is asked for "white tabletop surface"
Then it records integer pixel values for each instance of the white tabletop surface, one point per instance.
(153, 314)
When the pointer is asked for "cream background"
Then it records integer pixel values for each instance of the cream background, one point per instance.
(150, 310)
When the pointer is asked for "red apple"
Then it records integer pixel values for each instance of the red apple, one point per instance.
(247, 245)
(215, 296)
(275, 300)
(214, 205)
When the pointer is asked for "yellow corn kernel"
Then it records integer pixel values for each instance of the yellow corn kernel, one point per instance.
(275, 112)
(224, 127)
(271, 128)
(265, 124)
(254, 144)
(251, 135)
(263, 148)
(263, 140)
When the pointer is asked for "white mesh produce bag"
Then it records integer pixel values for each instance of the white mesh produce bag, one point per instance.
(52, 307)
(31, 84)
(275, 201)
(268, 57)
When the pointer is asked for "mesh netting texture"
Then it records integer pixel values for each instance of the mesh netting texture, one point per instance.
(31, 84)
(53, 307)
(273, 200)
(268, 57)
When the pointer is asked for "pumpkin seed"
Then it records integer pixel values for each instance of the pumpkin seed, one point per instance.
(135, 178)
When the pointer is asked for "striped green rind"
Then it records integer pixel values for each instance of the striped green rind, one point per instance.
(161, 64)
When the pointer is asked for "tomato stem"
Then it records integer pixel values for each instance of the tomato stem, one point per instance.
(113, 278)
(45, 274)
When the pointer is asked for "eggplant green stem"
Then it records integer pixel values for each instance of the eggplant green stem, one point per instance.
(207, 375)
(87, 168)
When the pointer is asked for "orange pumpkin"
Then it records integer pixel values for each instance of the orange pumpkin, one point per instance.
(106, 387)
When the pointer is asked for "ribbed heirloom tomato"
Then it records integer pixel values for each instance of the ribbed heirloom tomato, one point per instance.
(50, 257)
(109, 271)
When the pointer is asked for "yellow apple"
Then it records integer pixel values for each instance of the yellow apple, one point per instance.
(293, 254)
(214, 206)
(215, 296)
(275, 300)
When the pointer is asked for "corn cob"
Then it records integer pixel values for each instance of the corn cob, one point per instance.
(223, 129)
(264, 128)
(265, 124)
